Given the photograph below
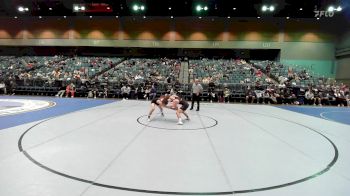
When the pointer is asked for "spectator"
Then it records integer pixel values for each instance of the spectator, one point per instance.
(309, 97)
(3, 87)
(70, 89)
(125, 90)
(249, 96)
(61, 91)
(227, 94)
(153, 92)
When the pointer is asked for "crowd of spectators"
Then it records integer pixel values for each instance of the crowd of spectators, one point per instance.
(263, 82)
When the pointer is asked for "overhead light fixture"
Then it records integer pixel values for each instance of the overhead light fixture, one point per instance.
(137, 7)
(331, 9)
(82, 8)
(169, 8)
(301, 9)
(270, 8)
(234, 8)
(199, 8)
(264, 8)
(50, 8)
(76, 8)
(22, 9)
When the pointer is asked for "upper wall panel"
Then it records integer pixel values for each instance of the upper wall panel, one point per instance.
(164, 29)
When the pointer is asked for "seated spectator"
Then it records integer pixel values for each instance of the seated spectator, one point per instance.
(147, 92)
(340, 98)
(70, 89)
(259, 96)
(125, 90)
(250, 96)
(258, 73)
(3, 87)
(309, 97)
(317, 95)
(227, 94)
(61, 92)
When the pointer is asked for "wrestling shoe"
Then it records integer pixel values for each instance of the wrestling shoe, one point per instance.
(180, 123)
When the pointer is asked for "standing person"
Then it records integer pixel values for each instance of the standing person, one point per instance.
(197, 89)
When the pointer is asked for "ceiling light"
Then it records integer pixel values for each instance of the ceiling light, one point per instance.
(272, 8)
(135, 7)
(76, 8)
(198, 8)
(264, 8)
(50, 8)
(22, 9)
(339, 9)
(142, 7)
(234, 8)
(82, 8)
(301, 9)
(26, 9)
(330, 8)
(205, 8)
(169, 8)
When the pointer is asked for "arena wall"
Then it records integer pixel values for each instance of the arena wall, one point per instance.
(307, 44)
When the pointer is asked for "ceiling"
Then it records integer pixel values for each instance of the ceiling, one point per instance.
(175, 8)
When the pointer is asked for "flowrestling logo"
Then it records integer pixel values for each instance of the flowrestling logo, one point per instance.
(323, 13)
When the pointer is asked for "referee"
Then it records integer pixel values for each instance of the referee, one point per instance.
(197, 89)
